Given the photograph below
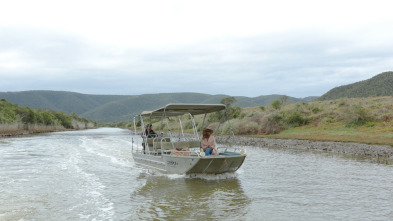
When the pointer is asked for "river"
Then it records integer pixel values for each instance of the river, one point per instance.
(90, 175)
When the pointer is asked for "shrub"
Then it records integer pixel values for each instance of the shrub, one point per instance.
(30, 116)
(7, 116)
(276, 104)
(272, 124)
(226, 129)
(342, 102)
(247, 128)
(295, 119)
(315, 110)
(65, 120)
(371, 124)
(48, 118)
(356, 116)
(257, 118)
(233, 112)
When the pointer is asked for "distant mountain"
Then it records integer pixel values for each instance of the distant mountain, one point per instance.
(378, 86)
(113, 108)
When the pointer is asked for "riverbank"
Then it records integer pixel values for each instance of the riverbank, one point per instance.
(378, 153)
(373, 152)
(22, 133)
(379, 134)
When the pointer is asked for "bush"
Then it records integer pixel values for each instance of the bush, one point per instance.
(247, 128)
(315, 110)
(371, 124)
(272, 124)
(356, 116)
(295, 119)
(226, 129)
(276, 104)
(7, 116)
(48, 118)
(65, 120)
(233, 112)
(342, 102)
(257, 118)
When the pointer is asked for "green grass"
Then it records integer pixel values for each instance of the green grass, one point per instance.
(379, 134)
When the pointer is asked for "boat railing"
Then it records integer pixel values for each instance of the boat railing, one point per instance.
(166, 143)
(183, 153)
(229, 149)
(157, 145)
(189, 147)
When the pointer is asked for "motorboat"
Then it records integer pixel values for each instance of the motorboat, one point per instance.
(176, 152)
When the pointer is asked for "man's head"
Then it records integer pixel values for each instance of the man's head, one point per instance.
(148, 126)
(207, 132)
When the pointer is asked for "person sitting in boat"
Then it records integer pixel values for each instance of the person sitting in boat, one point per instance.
(149, 133)
(208, 142)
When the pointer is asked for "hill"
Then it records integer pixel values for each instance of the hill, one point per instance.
(114, 108)
(378, 86)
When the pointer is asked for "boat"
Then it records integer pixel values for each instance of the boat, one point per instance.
(181, 153)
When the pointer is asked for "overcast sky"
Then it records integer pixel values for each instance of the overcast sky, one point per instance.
(240, 48)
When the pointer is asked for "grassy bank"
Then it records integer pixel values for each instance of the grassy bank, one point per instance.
(379, 134)
(361, 120)
(16, 120)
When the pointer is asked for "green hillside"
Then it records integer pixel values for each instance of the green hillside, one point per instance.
(114, 108)
(378, 86)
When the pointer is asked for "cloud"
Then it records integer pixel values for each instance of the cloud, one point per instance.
(297, 62)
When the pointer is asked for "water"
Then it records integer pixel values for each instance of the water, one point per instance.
(90, 175)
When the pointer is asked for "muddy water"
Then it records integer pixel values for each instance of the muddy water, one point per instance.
(90, 175)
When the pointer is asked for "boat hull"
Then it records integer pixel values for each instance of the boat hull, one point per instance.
(191, 164)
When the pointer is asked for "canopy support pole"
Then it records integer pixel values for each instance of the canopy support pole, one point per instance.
(181, 127)
(194, 126)
(134, 126)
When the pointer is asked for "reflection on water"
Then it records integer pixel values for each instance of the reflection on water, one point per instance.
(190, 198)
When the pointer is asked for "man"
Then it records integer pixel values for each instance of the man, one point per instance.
(149, 133)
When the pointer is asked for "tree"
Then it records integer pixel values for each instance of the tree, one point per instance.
(232, 112)
(276, 104)
(228, 101)
(284, 99)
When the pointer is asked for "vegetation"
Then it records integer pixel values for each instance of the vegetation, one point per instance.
(378, 86)
(15, 119)
(231, 112)
(365, 120)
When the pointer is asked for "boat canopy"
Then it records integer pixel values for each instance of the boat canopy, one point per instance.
(181, 109)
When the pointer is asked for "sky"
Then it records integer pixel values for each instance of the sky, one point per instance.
(238, 48)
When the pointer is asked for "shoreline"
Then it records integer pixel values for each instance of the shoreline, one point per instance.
(25, 133)
(382, 153)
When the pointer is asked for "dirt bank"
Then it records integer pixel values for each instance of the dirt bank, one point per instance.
(353, 149)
